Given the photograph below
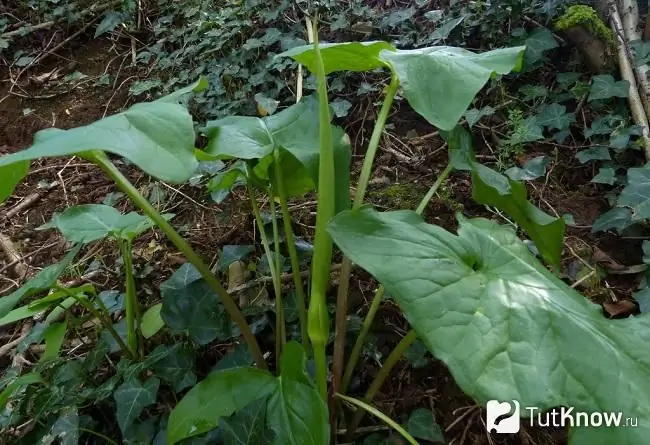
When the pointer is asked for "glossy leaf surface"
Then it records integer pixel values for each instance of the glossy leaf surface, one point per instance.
(506, 327)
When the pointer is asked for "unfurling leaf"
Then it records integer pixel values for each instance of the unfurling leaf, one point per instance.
(151, 321)
(506, 327)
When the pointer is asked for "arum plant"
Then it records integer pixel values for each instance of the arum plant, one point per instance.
(280, 155)
(93, 222)
(459, 74)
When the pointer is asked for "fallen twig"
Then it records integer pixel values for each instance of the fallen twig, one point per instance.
(13, 255)
(6, 348)
(29, 201)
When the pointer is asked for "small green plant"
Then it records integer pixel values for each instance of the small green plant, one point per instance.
(513, 146)
(506, 327)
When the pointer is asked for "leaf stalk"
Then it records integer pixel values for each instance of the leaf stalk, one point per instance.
(100, 158)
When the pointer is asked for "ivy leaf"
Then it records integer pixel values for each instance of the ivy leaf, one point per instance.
(111, 20)
(604, 87)
(416, 354)
(247, 426)
(341, 107)
(532, 92)
(539, 41)
(467, 295)
(239, 357)
(176, 367)
(532, 169)
(641, 51)
(43, 281)
(593, 154)
(132, 397)
(618, 218)
(474, 115)
(442, 31)
(636, 195)
(232, 253)
(190, 305)
(422, 425)
(529, 131)
(554, 116)
(620, 137)
(567, 80)
(606, 175)
(66, 427)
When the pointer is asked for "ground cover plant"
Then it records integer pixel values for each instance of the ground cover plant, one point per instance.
(487, 297)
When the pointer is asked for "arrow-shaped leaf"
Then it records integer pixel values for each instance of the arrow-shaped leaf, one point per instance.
(507, 328)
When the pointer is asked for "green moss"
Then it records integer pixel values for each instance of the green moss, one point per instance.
(400, 196)
(587, 17)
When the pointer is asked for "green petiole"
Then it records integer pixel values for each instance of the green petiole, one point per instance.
(318, 318)
(293, 254)
(100, 158)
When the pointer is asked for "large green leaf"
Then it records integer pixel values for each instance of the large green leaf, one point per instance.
(190, 305)
(507, 328)
(132, 397)
(10, 176)
(297, 414)
(157, 136)
(346, 56)
(441, 81)
(294, 129)
(219, 395)
(43, 281)
(91, 222)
